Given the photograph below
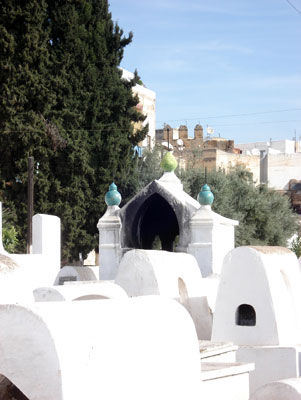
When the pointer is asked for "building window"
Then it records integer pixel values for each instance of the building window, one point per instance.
(245, 315)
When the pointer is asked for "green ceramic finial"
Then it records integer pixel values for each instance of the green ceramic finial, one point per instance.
(205, 197)
(113, 197)
(168, 163)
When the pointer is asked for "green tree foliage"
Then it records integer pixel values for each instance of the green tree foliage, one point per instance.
(9, 232)
(148, 167)
(296, 245)
(62, 101)
(23, 97)
(265, 216)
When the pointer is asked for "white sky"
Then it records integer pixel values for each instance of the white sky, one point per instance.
(219, 58)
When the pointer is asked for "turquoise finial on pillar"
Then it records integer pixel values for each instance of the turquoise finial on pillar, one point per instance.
(113, 197)
(205, 197)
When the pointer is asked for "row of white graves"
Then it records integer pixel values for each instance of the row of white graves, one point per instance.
(258, 302)
(89, 340)
(188, 321)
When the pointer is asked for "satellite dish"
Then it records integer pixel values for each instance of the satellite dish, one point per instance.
(180, 142)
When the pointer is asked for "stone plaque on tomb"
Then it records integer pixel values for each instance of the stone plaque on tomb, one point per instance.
(64, 279)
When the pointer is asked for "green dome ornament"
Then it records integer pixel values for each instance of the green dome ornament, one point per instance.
(168, 163)
(113, 197)
(205, 197)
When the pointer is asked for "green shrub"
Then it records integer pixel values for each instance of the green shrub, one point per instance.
(296, 246)
(9, 238)
(9, 232)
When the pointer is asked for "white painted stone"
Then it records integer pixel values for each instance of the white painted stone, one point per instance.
(131, 349)
(46, 238)
(15, 281)
(211, 284)
(227, 381)
(272, 363)
(268, 280)
(80, 291)
(288, 389)
(79, 274)
(20, 274)
(220, 352)
(171, 181)
(109, 226)
(91, 258)
(211, 238)
(173, 275)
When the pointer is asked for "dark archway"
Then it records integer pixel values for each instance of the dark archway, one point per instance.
(245, 315)
(155, 218)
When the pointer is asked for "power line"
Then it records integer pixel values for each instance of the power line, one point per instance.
(258, 123)
(127, 130)
(236, 115)
(293, 6)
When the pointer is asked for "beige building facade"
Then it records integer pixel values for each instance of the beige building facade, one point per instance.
(147, 106)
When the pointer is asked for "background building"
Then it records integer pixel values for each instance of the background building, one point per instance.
(147, 105)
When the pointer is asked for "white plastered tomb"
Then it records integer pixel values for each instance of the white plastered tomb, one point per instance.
(70, 273)
(80, 291)
(288, 389)
(259, 297)
(21, 273)
(58, 351)
(258, 307)
(173, 275)
(163, 209)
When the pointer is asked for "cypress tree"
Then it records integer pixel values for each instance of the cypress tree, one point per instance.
(24, 99)
(86, 117)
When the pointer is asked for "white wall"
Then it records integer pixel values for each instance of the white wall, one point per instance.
(282, 168)
(284, 146)
(272, 363)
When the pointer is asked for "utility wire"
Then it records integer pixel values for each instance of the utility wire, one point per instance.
(293, 6)
(236, 115)
(106, 126)
(232, 124)
(182, 119)
(120, 130)
(258, 123)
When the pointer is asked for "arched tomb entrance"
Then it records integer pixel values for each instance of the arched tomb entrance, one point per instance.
(159, 213)
(155, 219)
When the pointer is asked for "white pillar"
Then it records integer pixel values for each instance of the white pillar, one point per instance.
(46, 238)
(211, 238)
(109, 227)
